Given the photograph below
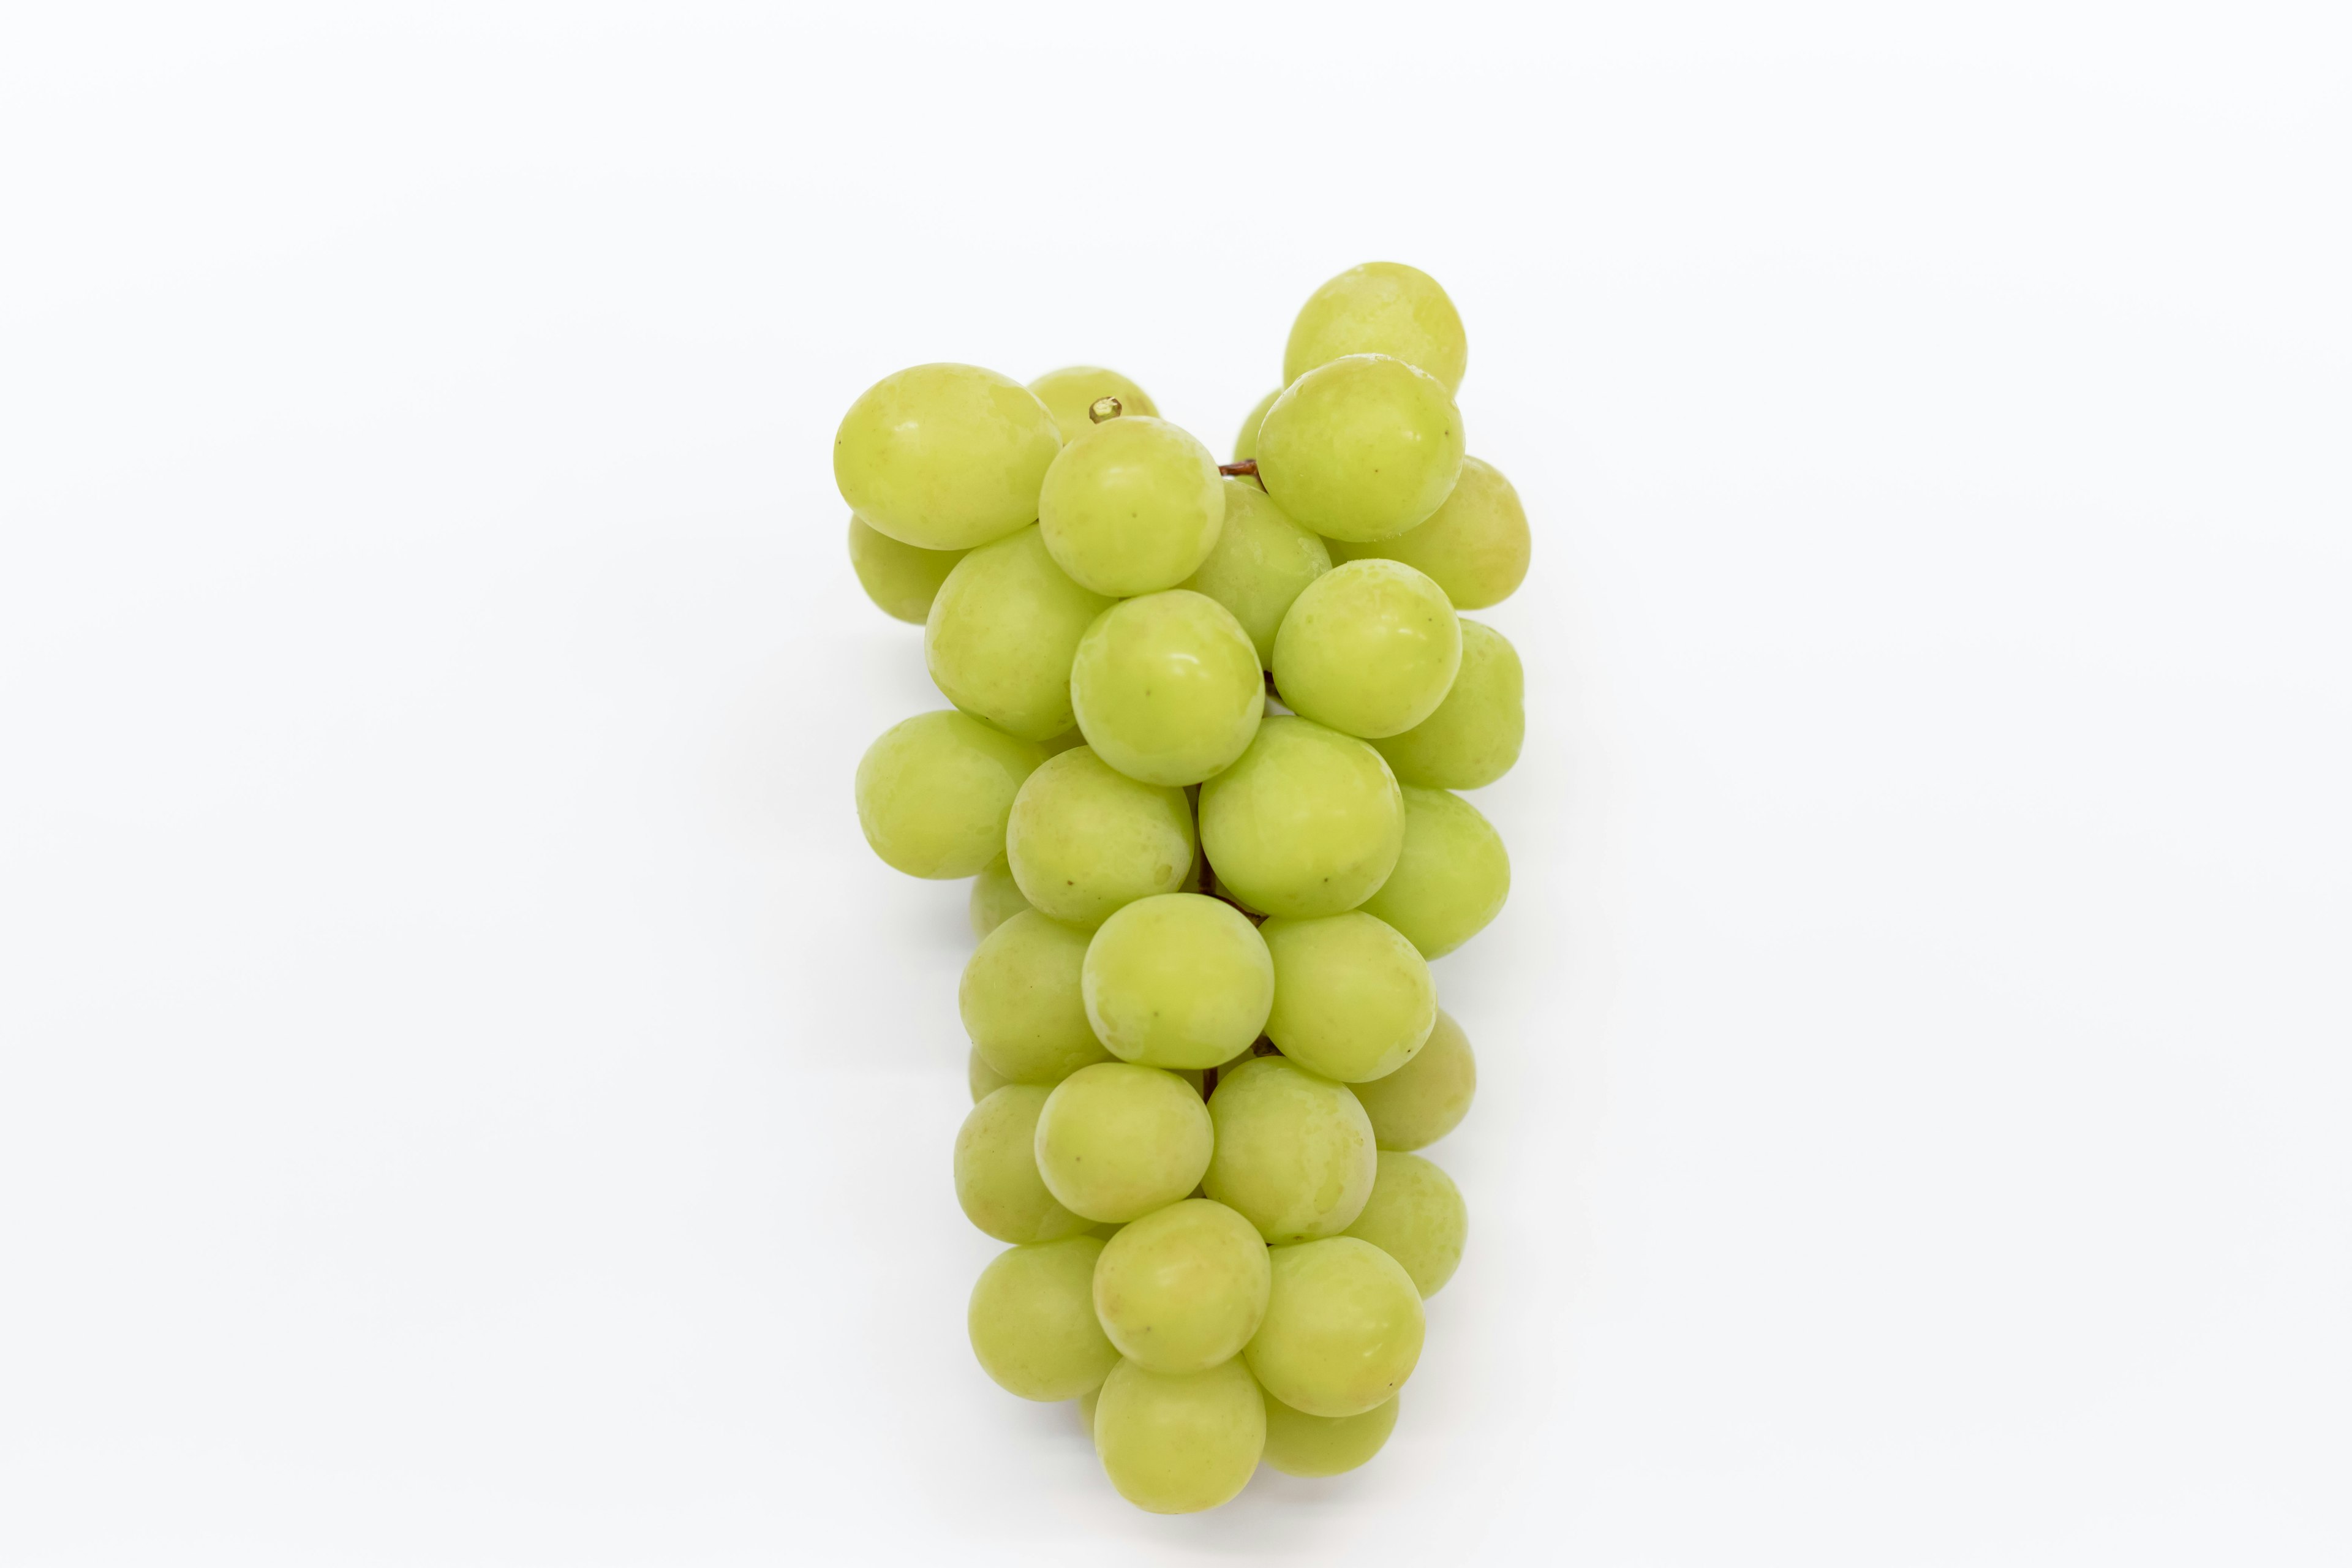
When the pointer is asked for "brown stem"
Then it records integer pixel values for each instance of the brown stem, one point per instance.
(1245, 470)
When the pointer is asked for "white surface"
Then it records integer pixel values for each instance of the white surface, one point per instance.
(470, 1097)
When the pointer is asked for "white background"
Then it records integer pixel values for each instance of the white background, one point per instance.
(471, 1097)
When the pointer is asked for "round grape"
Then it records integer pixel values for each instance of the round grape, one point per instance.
(1261, 563)
(1352, 1000)
(1473, 736)
(1084, 839)
(1293, 1150)
(1384, 307)
(1474, 546)
(1002, 632)
(1415, 1215)
(945, 457)
(1298, 1444)
(1364, 448)
(1307, 822)
(1183, 1288)
(1370, 648)
(1246, 444)
(1452, 878)
(1179, 1442)
(1033, 1323)
(1069, 393)
(1343, 1328)
(1166, 688)
(1117, 1141)
(1131, 506)
(900, 579)
(1023, 1003)
(1424, 1100)
(1178, 980)
(936, 792)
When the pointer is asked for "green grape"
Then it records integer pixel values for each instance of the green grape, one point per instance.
(1180, 981)
(1261, 563)
(1180, 1442)
(1382, 308)
(1182, 1289)
(1131, 506)
(1416, 1215)
(1246, 444)
(996, 1176)
(1452, 878)
(1084, 839)
(1167, 687)
(1370, 648)
(1424, 1100)
(899, 578)
(1364, 448)
(1298, 1444)
(1087, 1403)
(1343, 1328)
(1352, 1000)
(1293, 1150)
(1002, 632)
(984, 1080)
(1307, 822)
(1070, 393)
(995, 897)
(1474, 546)
(945, 457)
(1117, 1141)
(936, 792)
(1474, 737)
(1033, 1324)
(1022, 1003)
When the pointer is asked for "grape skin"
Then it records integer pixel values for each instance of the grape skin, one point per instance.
(1131, 506)
(1427, 1098)
(1116, 1141)
(1033, 1324)
(1361, 448)
(1352, 999)
(1179, 981)
(1381, 307)
(936, 792)
(1298, 1444)
(1246, 443)
(1001, 634)
(1084, 839)
(1343, 1328)
(945, 457)
(1472, 737)
(1183, 1288)
(1294, 1152)
(995, 896)
(996, 1178)
(1306, 822)
(1475, 545)
(1166, 688)
(1370, 648)
(1022, 1003)
(1416, 1215)
(1452, 878)
(1261, 563)
(1070, 394)
(1180, 1443)
(901, 580)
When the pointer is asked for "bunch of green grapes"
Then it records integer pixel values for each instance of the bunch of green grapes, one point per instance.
(1209, 728)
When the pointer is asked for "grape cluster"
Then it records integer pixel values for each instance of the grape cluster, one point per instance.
(1207, 728)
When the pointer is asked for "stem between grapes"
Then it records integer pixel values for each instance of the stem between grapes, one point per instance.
(1245, 470)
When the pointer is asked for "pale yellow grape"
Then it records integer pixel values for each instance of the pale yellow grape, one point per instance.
(1246, 444)
(1364, 448)
(1474, 546)
(1179, 1442)
(1167, 687)
(995, 897)
(1370, 648)
(1424, 1100)
(1023, 1003)
(1001, 634)
(1084, 839)
(1070, 394)
(1416, 1215)
(900, 579)
(1032, 1321)
(1293, 1150)
(936, 792)
(1087, 1403)
(1179, 980)
(1307, 822)
(1352, 1000)
(1298, 1444)
(1262, 562)
(996, 1179)
(1452, 878)
(1474, 737)
(1343, 1328)
(984, 1080)
(1381, 307)
(1183, 1288)
(945, 457)
(1131, 506)
(1116, 1141)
